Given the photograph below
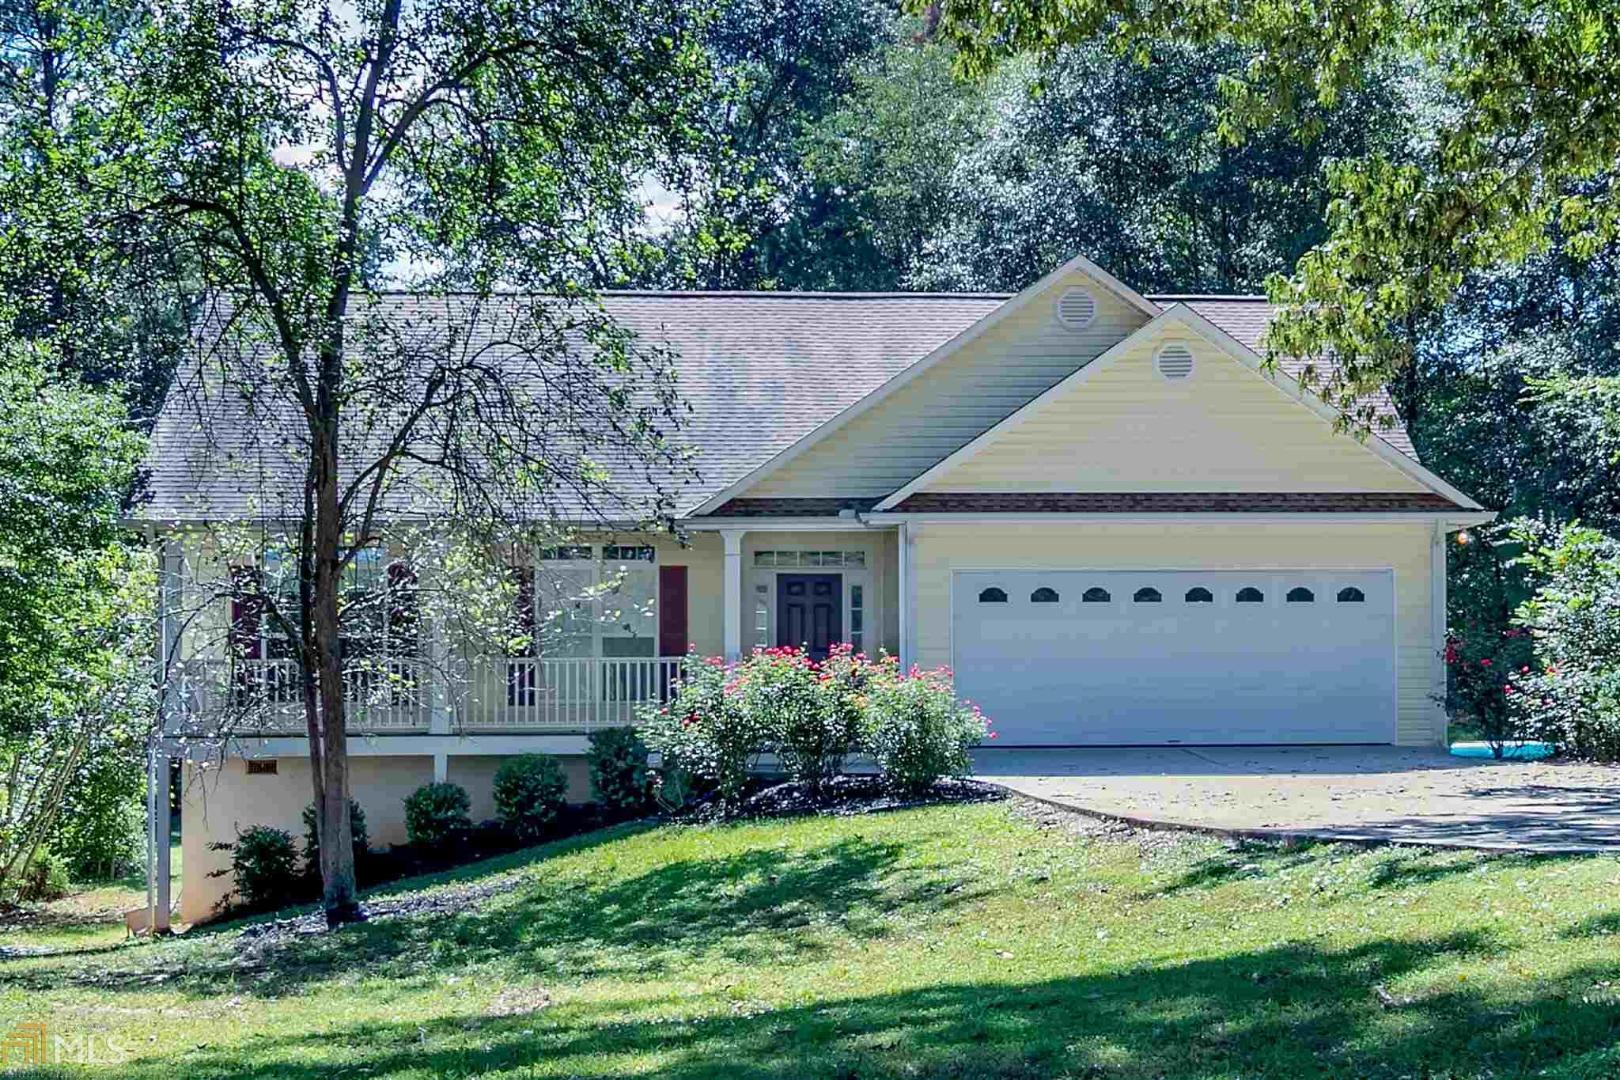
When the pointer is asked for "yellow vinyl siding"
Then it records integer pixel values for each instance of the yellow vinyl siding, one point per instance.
(1126, 428)
(947, 407)
(941, 549)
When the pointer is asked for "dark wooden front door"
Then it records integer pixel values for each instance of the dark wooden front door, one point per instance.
(810, 611)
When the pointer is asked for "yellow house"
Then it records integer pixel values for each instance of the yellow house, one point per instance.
(1098, 508)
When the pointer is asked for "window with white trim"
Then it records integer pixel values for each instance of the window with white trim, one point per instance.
(590, 606)
(762, 616)
(857, 616)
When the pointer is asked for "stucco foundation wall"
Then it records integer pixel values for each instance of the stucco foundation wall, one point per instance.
(221, 800)
(941, 549)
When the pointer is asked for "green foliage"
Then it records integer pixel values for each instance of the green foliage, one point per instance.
(620, 778)
(76, 695)
(809, 710)
(530, 793)
(436, 816)
(47, 878)
(264, 869)
(812, 716)
(100, 830)
(1519, 128)
(1479, 683)
(917, 731)
(748, 212)
(1571, 695)
(312, 837)
(705, 731)
(1124, 161)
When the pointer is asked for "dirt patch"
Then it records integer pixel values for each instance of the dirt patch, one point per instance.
(842, 796)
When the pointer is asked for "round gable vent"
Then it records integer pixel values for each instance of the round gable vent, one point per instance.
(1174, 360)
(1076, 308)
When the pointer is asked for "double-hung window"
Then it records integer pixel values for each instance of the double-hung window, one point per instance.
(593, 601)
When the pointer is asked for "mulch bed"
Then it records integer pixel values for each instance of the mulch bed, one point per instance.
(842, 796)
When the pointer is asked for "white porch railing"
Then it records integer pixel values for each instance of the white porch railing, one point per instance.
(497, 694)
(564, 693)
(266, 696)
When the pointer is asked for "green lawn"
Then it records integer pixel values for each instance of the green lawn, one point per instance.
(91, 917)
(950, 942)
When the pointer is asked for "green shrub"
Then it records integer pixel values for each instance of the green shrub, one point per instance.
(312, 841)
(809, 711)
(917, 731)
(620, 779)
(436, 816)
(1478, 693)
(704, 731)
(264, 866)
(45, 879)
(1570, 694)
(100, 828)
(530, 794)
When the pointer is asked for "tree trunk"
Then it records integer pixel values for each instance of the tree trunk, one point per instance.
(339, 893)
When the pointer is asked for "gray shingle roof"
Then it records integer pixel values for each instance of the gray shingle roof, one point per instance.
(759, 370)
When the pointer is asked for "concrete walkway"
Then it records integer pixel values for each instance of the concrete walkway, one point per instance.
(1386, 794)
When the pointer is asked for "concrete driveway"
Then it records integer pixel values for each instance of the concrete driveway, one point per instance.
(1349, 793)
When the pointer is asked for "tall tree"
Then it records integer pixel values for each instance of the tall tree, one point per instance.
(1522, 130)
(111, 314)
(305, 153)
(1122, 158)
(780, 66)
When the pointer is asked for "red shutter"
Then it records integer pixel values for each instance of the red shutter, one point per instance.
(246, 607)
(672, 636)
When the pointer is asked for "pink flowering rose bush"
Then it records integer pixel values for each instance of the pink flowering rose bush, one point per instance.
(807, 710)
(1478, 687)
(917, 731)
(813, 715)
(704, 733)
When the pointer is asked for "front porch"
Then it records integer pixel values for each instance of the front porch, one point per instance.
(609, 627)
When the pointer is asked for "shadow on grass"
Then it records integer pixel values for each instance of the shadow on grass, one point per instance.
(756, 906)
(471, 873)
(1287, 1011)
(1245, 859)
(1605, 925)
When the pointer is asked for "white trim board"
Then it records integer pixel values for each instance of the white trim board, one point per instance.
(1009, 308)
(1184, 316)
(1449, 520)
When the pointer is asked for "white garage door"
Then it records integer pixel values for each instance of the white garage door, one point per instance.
(1071, 657)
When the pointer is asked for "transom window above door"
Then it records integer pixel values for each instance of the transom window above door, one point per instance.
(794, 560)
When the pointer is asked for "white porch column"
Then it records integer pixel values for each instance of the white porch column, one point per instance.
(733, 592)
(160, 895)
(1437, 623)
(907, 600)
